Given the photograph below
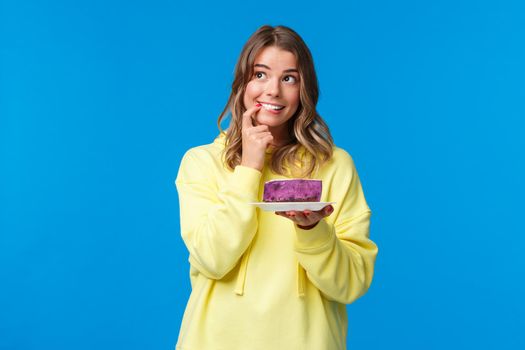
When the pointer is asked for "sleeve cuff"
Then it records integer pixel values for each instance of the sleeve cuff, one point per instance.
(315, 239)
(246, 180)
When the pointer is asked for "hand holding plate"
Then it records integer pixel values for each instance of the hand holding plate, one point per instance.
(306, 219)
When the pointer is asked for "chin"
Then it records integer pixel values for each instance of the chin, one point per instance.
(268, 122)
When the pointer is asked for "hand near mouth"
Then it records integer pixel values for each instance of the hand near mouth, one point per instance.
(255, 140)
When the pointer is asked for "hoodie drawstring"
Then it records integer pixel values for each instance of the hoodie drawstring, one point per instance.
(241, 277)
(301, 278)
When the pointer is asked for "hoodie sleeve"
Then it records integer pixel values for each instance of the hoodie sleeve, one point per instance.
(337, 254)
(217, 224)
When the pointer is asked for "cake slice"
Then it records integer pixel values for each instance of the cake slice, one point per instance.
(292, 190)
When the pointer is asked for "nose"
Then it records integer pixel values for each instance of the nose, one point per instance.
(273, 87)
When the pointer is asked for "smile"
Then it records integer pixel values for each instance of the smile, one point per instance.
(272, 107)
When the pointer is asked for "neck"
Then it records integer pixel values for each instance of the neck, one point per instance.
(280, 135)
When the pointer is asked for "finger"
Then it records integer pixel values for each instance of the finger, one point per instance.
(297, 215)
(247, 121)
(304, 220)
(267, 139)
(311, 215)
(261, 135)
(325, 210)
(300, 216)
(328, 210)
(284, 215)
(258, 129)
(262, 140)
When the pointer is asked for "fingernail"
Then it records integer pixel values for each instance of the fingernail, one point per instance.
(258, 105)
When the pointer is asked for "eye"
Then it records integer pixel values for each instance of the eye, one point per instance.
(293, 79)
(258, 74)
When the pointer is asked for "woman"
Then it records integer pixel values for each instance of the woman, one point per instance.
(259, 280)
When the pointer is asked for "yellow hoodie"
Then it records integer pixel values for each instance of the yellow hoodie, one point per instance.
(259, 281)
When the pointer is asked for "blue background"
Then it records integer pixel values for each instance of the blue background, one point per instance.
(99, 101)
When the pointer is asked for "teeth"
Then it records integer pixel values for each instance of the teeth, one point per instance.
(267, 106)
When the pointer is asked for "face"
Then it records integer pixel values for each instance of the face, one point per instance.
(275, 84)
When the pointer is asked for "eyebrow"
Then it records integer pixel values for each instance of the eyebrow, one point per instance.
(284, 71)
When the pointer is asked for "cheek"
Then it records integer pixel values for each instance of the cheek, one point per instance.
(253, 90)
(293, 97)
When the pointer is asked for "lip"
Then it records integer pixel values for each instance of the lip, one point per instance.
(273, 111)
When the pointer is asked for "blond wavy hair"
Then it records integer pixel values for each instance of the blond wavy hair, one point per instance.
(311, 143)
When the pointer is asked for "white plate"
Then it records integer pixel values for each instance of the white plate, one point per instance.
(284, 206)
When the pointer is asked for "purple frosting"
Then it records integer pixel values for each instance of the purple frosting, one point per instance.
(295, 190)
